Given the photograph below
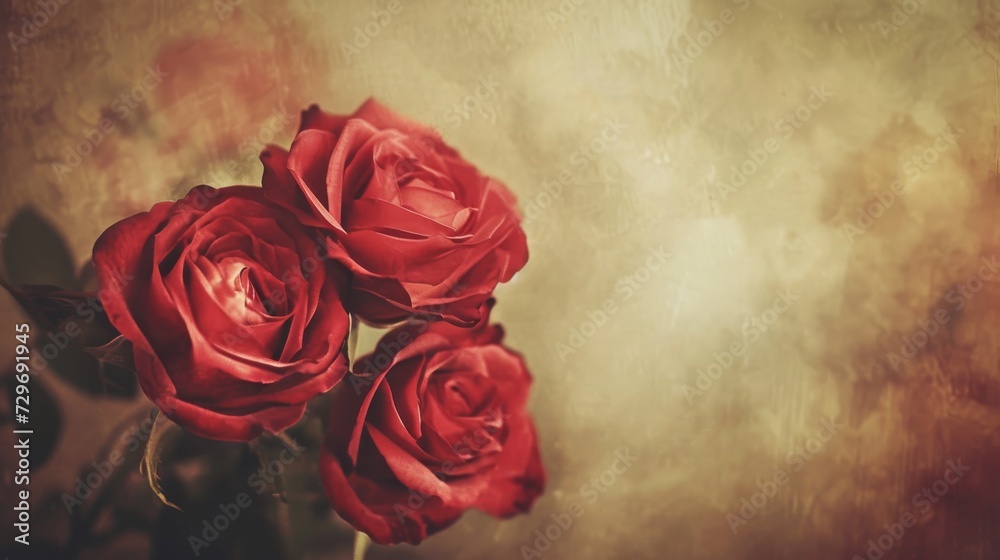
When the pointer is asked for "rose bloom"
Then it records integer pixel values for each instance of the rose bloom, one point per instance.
(441, 429)
(421, 230)
(233, 311)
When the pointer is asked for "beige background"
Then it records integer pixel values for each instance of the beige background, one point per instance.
(236, 81)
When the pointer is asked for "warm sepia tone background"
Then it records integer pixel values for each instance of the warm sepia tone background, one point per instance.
(236, 79)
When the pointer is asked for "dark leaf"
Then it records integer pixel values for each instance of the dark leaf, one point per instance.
(118, 353)
(117, 381)
(207, 487)
(70, 323)
(74, 318)
(269, 449)
(35, 253)
(86, 373)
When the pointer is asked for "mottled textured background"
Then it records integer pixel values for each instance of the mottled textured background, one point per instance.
(837, 101)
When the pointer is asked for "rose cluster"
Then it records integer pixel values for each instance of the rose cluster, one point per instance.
(241, 300)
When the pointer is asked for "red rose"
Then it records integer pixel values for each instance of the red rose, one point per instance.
(234, 316)
(422, 231)
(441, 429)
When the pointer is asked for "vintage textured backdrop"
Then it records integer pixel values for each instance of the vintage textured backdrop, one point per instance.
(620, 126)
